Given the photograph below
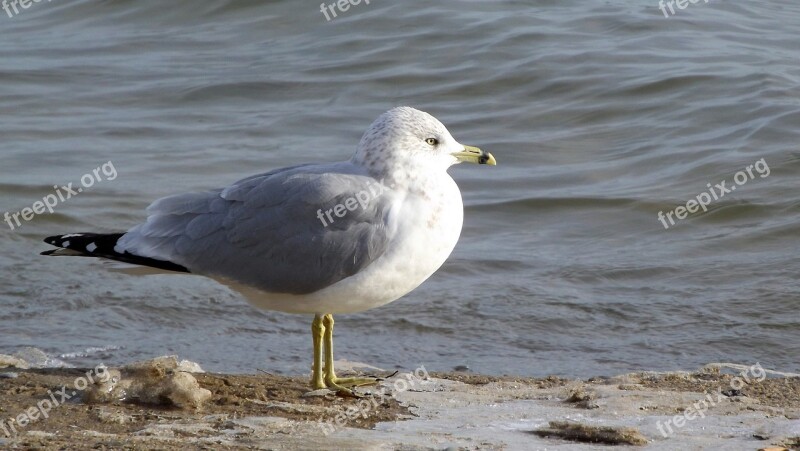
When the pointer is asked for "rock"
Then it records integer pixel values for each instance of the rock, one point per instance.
(578, 432)
(184, 391)
(583, 398)
(36, 358)
(189, 367)
(110, 416)
(107, 389)
(321, 393)
(7, 361)
(161, 381)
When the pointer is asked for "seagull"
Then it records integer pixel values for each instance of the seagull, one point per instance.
(319, 239)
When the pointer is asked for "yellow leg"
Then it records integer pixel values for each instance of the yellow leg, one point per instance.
(333, 382)
(317, 334)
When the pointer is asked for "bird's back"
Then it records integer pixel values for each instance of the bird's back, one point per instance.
(273, 217)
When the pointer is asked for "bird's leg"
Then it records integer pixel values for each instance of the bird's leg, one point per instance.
(333, 382)
(317, 335)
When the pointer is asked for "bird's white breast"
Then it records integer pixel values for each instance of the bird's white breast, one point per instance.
(425, 226)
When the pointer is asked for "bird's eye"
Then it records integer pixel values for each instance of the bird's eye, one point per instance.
(432, 141)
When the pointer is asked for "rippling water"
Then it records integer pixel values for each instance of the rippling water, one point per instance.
(600, 115)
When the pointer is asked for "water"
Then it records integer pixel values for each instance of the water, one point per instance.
(600, 116)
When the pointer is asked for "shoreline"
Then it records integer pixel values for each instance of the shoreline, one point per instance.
(164, 403)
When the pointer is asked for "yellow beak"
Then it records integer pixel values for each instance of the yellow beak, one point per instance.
(474, 155)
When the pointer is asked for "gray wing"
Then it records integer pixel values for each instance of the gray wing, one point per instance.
(265, 231)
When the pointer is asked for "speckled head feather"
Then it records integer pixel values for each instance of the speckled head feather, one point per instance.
(406, 139)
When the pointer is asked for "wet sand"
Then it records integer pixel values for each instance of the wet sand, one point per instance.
(406, 411)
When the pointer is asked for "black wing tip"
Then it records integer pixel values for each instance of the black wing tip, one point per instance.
(61, 240)
(102, 246)
(79, 244)
(53, 239)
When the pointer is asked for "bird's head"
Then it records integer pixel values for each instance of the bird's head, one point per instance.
(408, 138)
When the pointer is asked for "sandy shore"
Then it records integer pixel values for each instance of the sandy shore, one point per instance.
(165, 404)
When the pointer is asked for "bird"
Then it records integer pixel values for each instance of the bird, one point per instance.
(315, 239)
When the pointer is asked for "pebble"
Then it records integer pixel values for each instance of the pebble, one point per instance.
(321, 392)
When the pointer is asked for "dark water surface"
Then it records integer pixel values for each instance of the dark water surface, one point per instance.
(601, 114)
